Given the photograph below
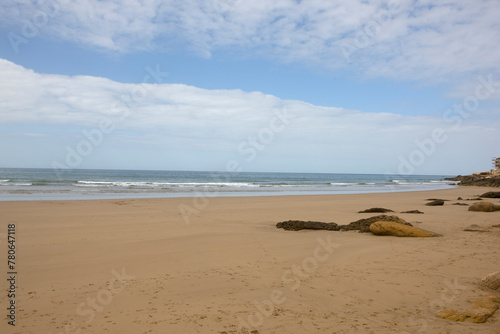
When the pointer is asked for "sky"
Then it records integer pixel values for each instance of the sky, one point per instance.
(396, 86)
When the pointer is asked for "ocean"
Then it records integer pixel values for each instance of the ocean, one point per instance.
(76, 184)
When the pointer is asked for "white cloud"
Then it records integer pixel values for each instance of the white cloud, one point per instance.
(402, 39)
(159, 118)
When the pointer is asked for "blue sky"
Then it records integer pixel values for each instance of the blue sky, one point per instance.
(397, 86)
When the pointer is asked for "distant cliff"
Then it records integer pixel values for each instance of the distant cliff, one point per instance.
(484, 179)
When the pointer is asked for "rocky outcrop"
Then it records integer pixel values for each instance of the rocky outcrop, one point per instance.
(484, 207)
(485, 179)
(375, 210)
(399, 230)
(297, 225)
(481, 310)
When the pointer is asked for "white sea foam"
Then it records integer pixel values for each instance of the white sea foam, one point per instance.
(127, 184)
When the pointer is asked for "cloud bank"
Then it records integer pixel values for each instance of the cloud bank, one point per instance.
(203, 129)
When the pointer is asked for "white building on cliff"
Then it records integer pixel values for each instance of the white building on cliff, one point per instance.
(496, 166)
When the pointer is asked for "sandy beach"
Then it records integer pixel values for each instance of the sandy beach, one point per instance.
(140, 266)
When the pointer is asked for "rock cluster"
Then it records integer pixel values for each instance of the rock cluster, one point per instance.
(378, 225)
(485, 179)
(361, 225)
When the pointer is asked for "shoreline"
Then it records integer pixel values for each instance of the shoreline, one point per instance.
(209, 194)
(133, 265)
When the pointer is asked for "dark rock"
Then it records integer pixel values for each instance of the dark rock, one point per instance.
(436, 202)
(476, 228)
(437, 199)
(497, 225)
(486, 179)
(461, 204)
(460, 199)
(491, 194)
(374, 210)
(297, 225)
(363, 225)
(413, 211)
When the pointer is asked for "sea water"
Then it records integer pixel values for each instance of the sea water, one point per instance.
(51, 184)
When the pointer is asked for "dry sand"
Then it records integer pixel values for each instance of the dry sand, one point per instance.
(135, 266)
